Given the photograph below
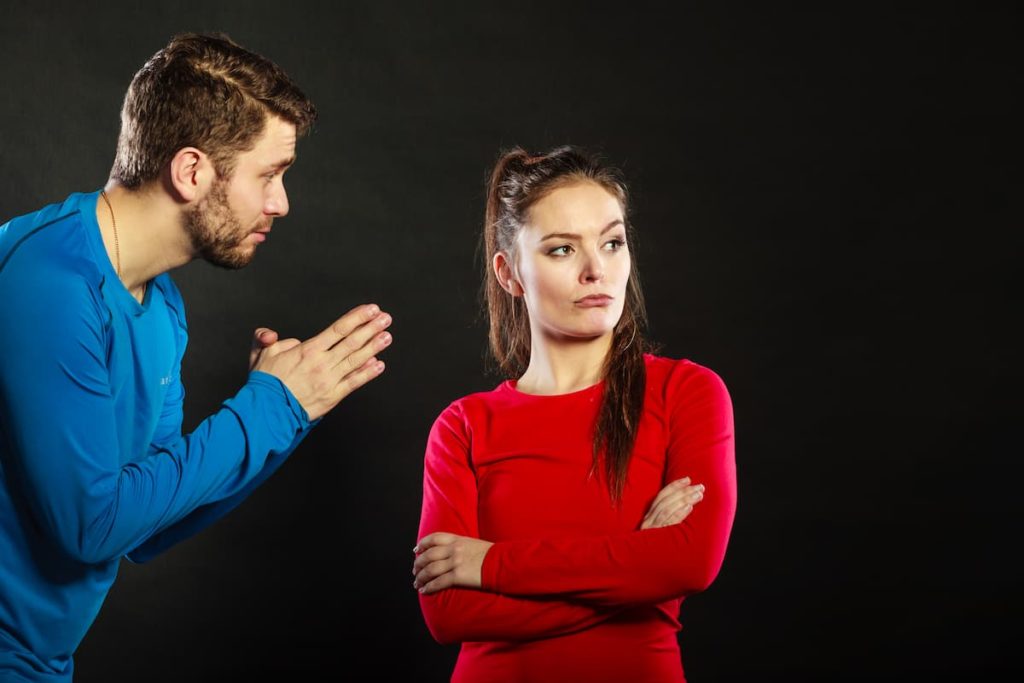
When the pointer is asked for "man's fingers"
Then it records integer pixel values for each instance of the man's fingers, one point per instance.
(272, 350)
(261, 339)
(345, 362)
(281, 346)
(351, 352)
(343, 326)
(286, 345)
(369, 370)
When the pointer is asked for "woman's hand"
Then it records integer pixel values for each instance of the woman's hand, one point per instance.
(444, 560)
(673, 504)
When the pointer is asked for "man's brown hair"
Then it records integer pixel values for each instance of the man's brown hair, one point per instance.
(203, 91)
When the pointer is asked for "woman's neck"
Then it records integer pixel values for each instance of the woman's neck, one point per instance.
(563, 366)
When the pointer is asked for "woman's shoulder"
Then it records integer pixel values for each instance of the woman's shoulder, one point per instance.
(474, 401)
(668, 375)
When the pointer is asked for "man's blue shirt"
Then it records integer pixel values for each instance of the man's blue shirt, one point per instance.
(93, 464)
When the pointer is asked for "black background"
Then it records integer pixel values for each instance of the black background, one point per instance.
(828, 208)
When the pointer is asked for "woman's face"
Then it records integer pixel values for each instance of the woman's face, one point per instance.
(572, 263)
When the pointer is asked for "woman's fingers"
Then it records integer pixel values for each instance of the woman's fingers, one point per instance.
(446, 580)
(433, 571)
(433, 554)
(673, 507)
(672, 488)
(436, 538)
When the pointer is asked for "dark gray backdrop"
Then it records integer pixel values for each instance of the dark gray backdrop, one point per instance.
(828, 210)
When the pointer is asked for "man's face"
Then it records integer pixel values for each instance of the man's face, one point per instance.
(236, 214)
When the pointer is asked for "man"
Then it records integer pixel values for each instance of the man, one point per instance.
(93, 465)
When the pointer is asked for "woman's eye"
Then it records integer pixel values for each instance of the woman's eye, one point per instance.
(560, 251)
(615, 244)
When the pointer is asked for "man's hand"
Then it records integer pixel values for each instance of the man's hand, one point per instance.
(324, 369)
(263, 338)
(444, 560)
(673, 504)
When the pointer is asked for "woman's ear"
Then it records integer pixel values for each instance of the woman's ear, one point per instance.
(506, 274)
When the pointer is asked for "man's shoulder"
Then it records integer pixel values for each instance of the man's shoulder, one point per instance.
(27, 224)
(47, 263)
(49, 239)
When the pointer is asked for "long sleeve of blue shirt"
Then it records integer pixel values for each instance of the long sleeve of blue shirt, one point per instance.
(93, 464)
(207, 514)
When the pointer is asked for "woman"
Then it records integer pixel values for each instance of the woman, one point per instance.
(567, 512)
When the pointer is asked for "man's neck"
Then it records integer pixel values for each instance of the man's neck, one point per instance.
(150, 237)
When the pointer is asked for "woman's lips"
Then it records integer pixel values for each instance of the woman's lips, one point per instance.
(594, 300)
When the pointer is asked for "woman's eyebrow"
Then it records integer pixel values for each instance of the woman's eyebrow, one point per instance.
(573, 235)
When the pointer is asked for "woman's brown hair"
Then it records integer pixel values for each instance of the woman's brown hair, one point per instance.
(518, 181)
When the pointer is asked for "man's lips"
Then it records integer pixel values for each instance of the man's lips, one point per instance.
(261, 234)
(594, 300)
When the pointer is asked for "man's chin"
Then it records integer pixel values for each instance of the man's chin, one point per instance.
(237, 258)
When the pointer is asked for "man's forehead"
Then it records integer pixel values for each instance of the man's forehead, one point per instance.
(276, 146)
(279, 133)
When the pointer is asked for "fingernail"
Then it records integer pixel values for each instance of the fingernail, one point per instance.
(384, 320)
(415, 548)
(374, 309)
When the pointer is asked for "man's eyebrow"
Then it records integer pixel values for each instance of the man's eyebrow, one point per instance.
(574, 236)
(281, 165)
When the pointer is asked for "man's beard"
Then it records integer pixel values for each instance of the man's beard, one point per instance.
(216, 233)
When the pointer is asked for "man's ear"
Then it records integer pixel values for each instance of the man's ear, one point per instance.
(506, 275)
(191, 174)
